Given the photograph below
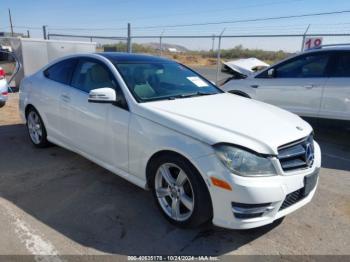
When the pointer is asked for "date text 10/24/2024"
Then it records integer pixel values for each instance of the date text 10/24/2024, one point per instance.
(172, 258)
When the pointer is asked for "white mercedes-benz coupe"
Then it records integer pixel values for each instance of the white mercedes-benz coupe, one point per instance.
(206, 155)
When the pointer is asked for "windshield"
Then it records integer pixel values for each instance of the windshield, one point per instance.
(159, 81)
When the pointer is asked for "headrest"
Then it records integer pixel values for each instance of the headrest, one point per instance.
(98, 74)
(139, 76)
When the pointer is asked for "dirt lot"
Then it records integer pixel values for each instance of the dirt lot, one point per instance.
(55, 202)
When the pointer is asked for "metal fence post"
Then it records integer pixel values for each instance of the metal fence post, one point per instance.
(129, 47)
(213, 43)
(218, 58)
(160, 46)
(44, 32)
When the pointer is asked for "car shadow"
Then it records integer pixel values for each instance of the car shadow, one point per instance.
(97, 209)
(335, 146)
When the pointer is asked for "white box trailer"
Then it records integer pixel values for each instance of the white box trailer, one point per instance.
(33, 54)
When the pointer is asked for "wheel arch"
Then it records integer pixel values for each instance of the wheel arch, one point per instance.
(157, 154)
(31, 106)
(171, 152)
(27, 108)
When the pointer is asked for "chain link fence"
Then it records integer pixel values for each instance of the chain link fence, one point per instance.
(205, 53)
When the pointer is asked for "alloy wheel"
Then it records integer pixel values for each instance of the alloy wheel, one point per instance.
(174, 192)
(34, 127)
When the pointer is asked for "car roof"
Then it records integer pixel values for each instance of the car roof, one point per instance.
(133, 58)
(329, 48)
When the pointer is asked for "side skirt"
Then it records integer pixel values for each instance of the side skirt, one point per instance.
(119, 172)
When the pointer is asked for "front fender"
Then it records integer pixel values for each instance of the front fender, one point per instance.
(146, 138)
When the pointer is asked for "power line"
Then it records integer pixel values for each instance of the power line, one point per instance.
(209, 11)
(152, 17)
(247, 20)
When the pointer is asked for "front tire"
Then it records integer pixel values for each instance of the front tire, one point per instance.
(36, 129)
(180, 192)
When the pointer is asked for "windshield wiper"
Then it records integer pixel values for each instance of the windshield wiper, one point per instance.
(189, 95)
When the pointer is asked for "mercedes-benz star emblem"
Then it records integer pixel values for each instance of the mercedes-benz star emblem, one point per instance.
(309, 154)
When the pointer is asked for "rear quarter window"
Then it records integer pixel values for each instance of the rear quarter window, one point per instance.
(62, 71)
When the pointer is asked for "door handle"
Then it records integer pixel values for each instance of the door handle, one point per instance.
(65, 98)
(309, 86)
(254, 86)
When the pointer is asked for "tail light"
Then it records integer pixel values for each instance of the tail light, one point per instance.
(2, 73)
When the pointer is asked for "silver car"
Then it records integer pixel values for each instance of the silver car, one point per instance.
(314, 84)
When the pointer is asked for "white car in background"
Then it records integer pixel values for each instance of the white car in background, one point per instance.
(241, 68)
(206, 155)
(3, 87)
(313, 84)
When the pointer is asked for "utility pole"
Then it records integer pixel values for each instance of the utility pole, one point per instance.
(11, 25)
(129, 47)
(28, 34)
(44, 32)
(304, 37)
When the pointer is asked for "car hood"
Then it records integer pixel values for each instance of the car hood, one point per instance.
(227, 118)
(246, 66)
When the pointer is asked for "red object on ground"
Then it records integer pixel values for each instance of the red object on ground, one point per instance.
(2, 73)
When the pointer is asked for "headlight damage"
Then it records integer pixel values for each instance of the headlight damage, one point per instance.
(243, 162)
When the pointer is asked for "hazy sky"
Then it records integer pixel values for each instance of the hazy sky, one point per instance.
(109, 18)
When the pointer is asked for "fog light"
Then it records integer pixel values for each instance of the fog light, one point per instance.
(245, 211)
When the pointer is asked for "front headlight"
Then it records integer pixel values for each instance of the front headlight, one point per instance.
(244, 163)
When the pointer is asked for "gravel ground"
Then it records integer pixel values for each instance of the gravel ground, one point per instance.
(53, 201)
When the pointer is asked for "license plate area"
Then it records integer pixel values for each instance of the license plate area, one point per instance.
(310, 183)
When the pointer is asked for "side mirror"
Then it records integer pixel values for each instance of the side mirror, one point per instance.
(103, 95)
(271, 73)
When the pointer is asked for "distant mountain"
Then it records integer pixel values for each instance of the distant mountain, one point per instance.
(166, 46)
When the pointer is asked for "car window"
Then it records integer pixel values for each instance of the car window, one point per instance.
(62, 71)
(151, 81)
(313, 65)
(341, 66)
(92, 75)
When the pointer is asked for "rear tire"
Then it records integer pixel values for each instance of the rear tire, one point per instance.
(36, 129)
(179, 191)
(2, 104)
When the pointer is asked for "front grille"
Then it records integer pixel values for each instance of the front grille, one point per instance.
(293, 198)
(297, 155)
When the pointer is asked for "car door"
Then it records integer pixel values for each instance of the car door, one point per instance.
(296, 84)
(99, 130)
(55, 83)
(336, 96)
